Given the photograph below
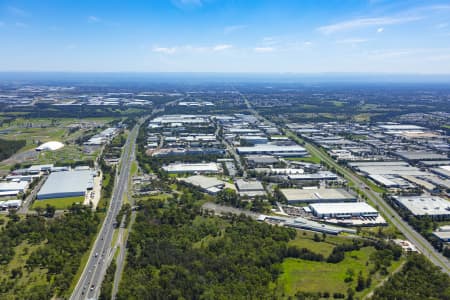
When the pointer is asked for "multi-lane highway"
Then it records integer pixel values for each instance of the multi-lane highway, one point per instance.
(88, 286)
(413, 236)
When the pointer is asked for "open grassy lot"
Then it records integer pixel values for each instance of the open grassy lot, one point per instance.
(66, 155)
(37, 131)
(305, 239)
(311, 276)
(309, 159)
(58, 203)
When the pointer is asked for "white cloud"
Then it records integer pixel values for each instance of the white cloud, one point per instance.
(94, 19)
(263, 49)
(307, 43)
(364, 22)
(351, 41)
(165, 50)
(442, 25)
(233, 28)
(222, 47)
(191, 49)
(380, 30)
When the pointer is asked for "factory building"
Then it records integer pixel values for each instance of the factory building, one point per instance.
(321, 175)
(433, 206)
(297, 196)
(198, 168)
(13, 186)
(209, 185)
(67, 184)
(250, 188)
(277, 150)
(343, 210)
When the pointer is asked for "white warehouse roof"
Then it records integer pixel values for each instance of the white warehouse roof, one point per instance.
(192, 168)
(343, 208)
(425, 205)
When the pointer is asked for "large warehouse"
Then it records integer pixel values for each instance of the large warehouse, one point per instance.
(291, 150)
(296, 196)
(425, 205)
(343, 210)
(66, 184)
(198, 168)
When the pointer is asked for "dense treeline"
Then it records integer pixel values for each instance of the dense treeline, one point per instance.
(174, 252)
(8, 148)
(43, 110)
(418, 280)
(108, 281)
(61, 242)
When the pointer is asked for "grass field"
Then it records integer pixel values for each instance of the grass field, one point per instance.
(305, 239)
(311, 276)
(309, 159)
(58, 203)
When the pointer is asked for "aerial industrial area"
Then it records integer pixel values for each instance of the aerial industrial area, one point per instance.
(362, 193)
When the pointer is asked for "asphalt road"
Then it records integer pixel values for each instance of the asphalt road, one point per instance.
(413, 236)
(88, 286)
(26, 203)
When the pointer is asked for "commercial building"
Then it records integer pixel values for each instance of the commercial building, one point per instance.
(210, 185)
(443, 233)
(424, 205)
(321, 175)
(66, 184)
(296, 196)
(4, 205)
(302, 223)
(277, 150)
(250, 188)
(420, 155)
(13, 186)
(198, 168)
(253, 139)
(343, 210)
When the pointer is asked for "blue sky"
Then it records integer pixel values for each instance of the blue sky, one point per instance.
(297, 36)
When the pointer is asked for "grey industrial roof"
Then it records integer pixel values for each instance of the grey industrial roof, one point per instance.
(67, 182)
(271, 148)
(245, 185)
(203, 181)
(420, 155)
(425, 205)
